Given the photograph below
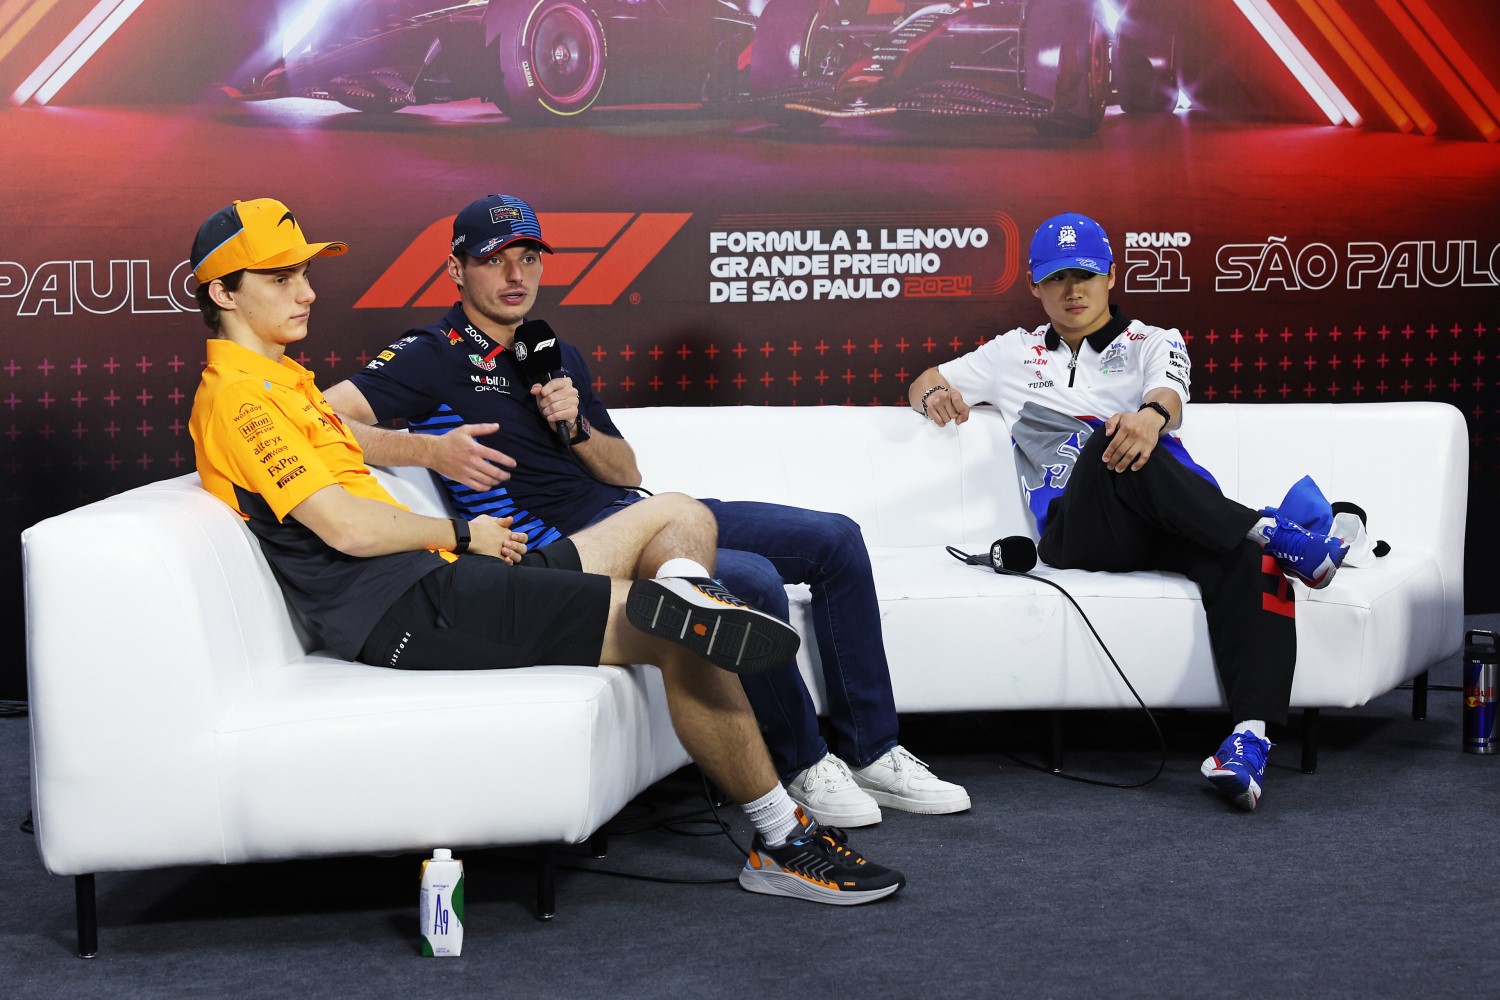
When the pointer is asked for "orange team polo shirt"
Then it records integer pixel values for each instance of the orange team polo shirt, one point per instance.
(265, 439)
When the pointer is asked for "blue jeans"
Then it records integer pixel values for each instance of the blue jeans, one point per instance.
(766, 546)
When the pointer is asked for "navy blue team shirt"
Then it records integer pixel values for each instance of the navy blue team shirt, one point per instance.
(449, 374)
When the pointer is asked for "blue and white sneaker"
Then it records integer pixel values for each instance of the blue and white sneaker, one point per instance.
(1239, 767)
(1306, 555)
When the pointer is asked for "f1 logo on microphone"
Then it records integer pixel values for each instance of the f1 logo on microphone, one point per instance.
(598, 254)
(523, 352)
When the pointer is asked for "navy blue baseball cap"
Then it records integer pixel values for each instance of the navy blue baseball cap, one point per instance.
(489, 225)
(1070, 240)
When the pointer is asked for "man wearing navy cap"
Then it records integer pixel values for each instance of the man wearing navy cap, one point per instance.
(1130, 498)
(460, 381)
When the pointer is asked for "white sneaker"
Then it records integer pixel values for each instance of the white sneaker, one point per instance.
(899, 780)
(827, 791)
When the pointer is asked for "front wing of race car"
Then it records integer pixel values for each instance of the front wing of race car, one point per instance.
(383, 65)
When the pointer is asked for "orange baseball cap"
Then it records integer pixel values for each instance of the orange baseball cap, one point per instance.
(261, 235)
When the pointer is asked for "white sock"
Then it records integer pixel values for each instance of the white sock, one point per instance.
(682, 567)
(774, 815)
(1260, 531)
(1256, 726)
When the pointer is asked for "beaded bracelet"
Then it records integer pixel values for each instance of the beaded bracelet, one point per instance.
(929, 392)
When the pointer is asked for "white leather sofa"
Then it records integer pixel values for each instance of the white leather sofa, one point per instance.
(961, 637)
(178, 716)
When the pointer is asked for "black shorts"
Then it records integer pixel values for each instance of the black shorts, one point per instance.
(479, 613)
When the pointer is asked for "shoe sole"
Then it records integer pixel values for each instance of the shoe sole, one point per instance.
(781, 883)
(1314, 584)
(921, 807)
(847, 820)
(1233, 785)
(1320, 582)
(739, 640)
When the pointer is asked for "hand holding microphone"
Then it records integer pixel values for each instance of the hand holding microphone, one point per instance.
(540, 361)
(1011, 554)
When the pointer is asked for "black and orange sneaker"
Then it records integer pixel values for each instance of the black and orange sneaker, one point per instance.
(817, 864)
(699, 614)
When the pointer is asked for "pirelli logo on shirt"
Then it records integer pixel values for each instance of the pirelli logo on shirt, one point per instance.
(598, 255)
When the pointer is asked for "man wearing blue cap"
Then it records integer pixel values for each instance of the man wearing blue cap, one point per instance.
(1130, 498)
(459, 385)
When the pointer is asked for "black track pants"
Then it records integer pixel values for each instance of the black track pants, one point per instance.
(1167, 517)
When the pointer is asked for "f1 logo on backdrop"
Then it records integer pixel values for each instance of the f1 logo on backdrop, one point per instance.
(598, 255)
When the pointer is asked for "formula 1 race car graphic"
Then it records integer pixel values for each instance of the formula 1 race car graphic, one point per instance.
(793, 61)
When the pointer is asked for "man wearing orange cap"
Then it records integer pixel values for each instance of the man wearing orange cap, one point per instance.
(378, 583)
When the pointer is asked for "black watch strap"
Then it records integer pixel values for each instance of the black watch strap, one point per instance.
(1166, 417)
(581, 431)
(460, 535)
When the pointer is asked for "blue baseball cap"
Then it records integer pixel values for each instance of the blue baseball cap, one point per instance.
(494, 222)
(1070, 240)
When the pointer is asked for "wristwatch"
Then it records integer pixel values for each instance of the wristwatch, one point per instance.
(1151, 404)
(581, 431)
(460, 535)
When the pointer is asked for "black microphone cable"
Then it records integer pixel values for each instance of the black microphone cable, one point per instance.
(1161, 739)
(677, 824)
(584, 468)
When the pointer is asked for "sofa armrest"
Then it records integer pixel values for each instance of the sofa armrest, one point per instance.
(148, 615)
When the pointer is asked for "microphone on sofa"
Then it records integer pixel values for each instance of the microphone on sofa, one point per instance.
(1011, 554)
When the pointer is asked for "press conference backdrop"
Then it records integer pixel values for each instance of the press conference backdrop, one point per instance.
(1306, 189)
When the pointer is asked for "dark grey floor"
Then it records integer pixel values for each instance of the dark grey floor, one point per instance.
(1374, 877)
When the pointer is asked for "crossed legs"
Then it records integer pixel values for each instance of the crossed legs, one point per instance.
(708, 706)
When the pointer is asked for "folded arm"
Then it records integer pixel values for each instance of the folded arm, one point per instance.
(362, 527)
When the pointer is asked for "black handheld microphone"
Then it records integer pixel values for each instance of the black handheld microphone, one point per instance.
(540, 360)
(1011, 554)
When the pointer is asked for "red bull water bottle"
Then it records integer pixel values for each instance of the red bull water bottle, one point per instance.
(1481, 655)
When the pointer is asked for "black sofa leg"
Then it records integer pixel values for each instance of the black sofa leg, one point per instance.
(598, 846)
(1419, 697)
(88, 916)
(546, 882)
(1055, 748)
(1309, 741)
